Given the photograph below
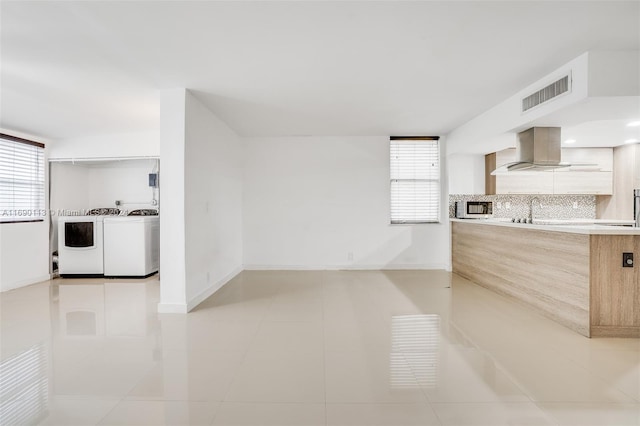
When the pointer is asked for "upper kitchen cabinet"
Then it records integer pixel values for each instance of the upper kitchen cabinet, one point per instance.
(525, 183)
(520, 182)
(585, 158)
(626, 178)
(579, 182)
(591, 173)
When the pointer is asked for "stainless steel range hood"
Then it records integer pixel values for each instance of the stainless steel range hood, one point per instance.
(538, 148)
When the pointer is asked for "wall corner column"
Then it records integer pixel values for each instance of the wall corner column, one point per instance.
(172, 220)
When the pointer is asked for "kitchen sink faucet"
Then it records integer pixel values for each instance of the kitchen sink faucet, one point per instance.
(533, 200)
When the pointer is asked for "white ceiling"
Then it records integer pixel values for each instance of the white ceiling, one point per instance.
(600, 133)
(73, 69)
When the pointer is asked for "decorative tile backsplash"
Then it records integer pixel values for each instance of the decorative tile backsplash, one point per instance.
(519, 206)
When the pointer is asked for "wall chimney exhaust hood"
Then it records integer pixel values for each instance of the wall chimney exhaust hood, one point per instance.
(537, 149)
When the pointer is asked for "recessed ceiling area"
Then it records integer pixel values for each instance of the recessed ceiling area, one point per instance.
(600, 133)
(76, 69)
(596, 121)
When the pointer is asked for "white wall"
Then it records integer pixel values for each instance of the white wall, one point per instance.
(466, 173)
(614, 73)
(213, 201)
(137, 144)
(70, 186)
(24, 247)
(201, 221)
(636, 184)
(24, 254)
(127, 181)
(310, 202)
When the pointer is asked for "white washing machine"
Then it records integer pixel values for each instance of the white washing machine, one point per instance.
(80, 245)
(131, 246)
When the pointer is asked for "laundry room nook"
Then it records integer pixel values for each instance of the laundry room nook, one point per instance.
(105, 217)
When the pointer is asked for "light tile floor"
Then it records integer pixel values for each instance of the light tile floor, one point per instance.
(305, 348)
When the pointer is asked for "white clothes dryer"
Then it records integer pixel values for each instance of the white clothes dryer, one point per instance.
(80, 245)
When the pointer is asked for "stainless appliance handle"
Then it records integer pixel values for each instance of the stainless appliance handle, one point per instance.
(636, 206)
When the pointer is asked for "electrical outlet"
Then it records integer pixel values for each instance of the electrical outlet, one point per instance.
(627, 260)
(350, 255)
(507, 205)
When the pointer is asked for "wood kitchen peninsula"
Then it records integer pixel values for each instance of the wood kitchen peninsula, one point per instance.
(571, 274)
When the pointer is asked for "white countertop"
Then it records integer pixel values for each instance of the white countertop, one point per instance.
(574, 226)
(583, 222)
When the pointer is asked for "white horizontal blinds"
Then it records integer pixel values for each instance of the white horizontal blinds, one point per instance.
(415, 180)
(21, 180)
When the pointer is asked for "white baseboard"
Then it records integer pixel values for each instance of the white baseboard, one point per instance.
(423, 267)
(212, 289)
(24, 283)
(350, 267)
(172, 308)
(286, 268)
(179, 308)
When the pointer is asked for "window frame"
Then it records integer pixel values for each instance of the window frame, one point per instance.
(437, 180)
(42, 164)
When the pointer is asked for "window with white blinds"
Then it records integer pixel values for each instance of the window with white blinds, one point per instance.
(21, 180)
(415, 179)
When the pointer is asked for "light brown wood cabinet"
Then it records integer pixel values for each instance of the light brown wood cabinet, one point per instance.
(489, 180)
(575, 279)
(577, 179)
(626, 178)
(603, 157)
(525, 183)
(578, 182)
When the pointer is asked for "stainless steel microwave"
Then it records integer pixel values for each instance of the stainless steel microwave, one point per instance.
(474, 209)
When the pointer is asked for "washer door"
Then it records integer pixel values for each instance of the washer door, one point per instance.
(79, 234)
(80, 246)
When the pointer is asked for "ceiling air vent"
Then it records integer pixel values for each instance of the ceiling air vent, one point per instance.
(553, 90)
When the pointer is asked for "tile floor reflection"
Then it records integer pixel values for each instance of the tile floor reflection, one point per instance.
(305, 348)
